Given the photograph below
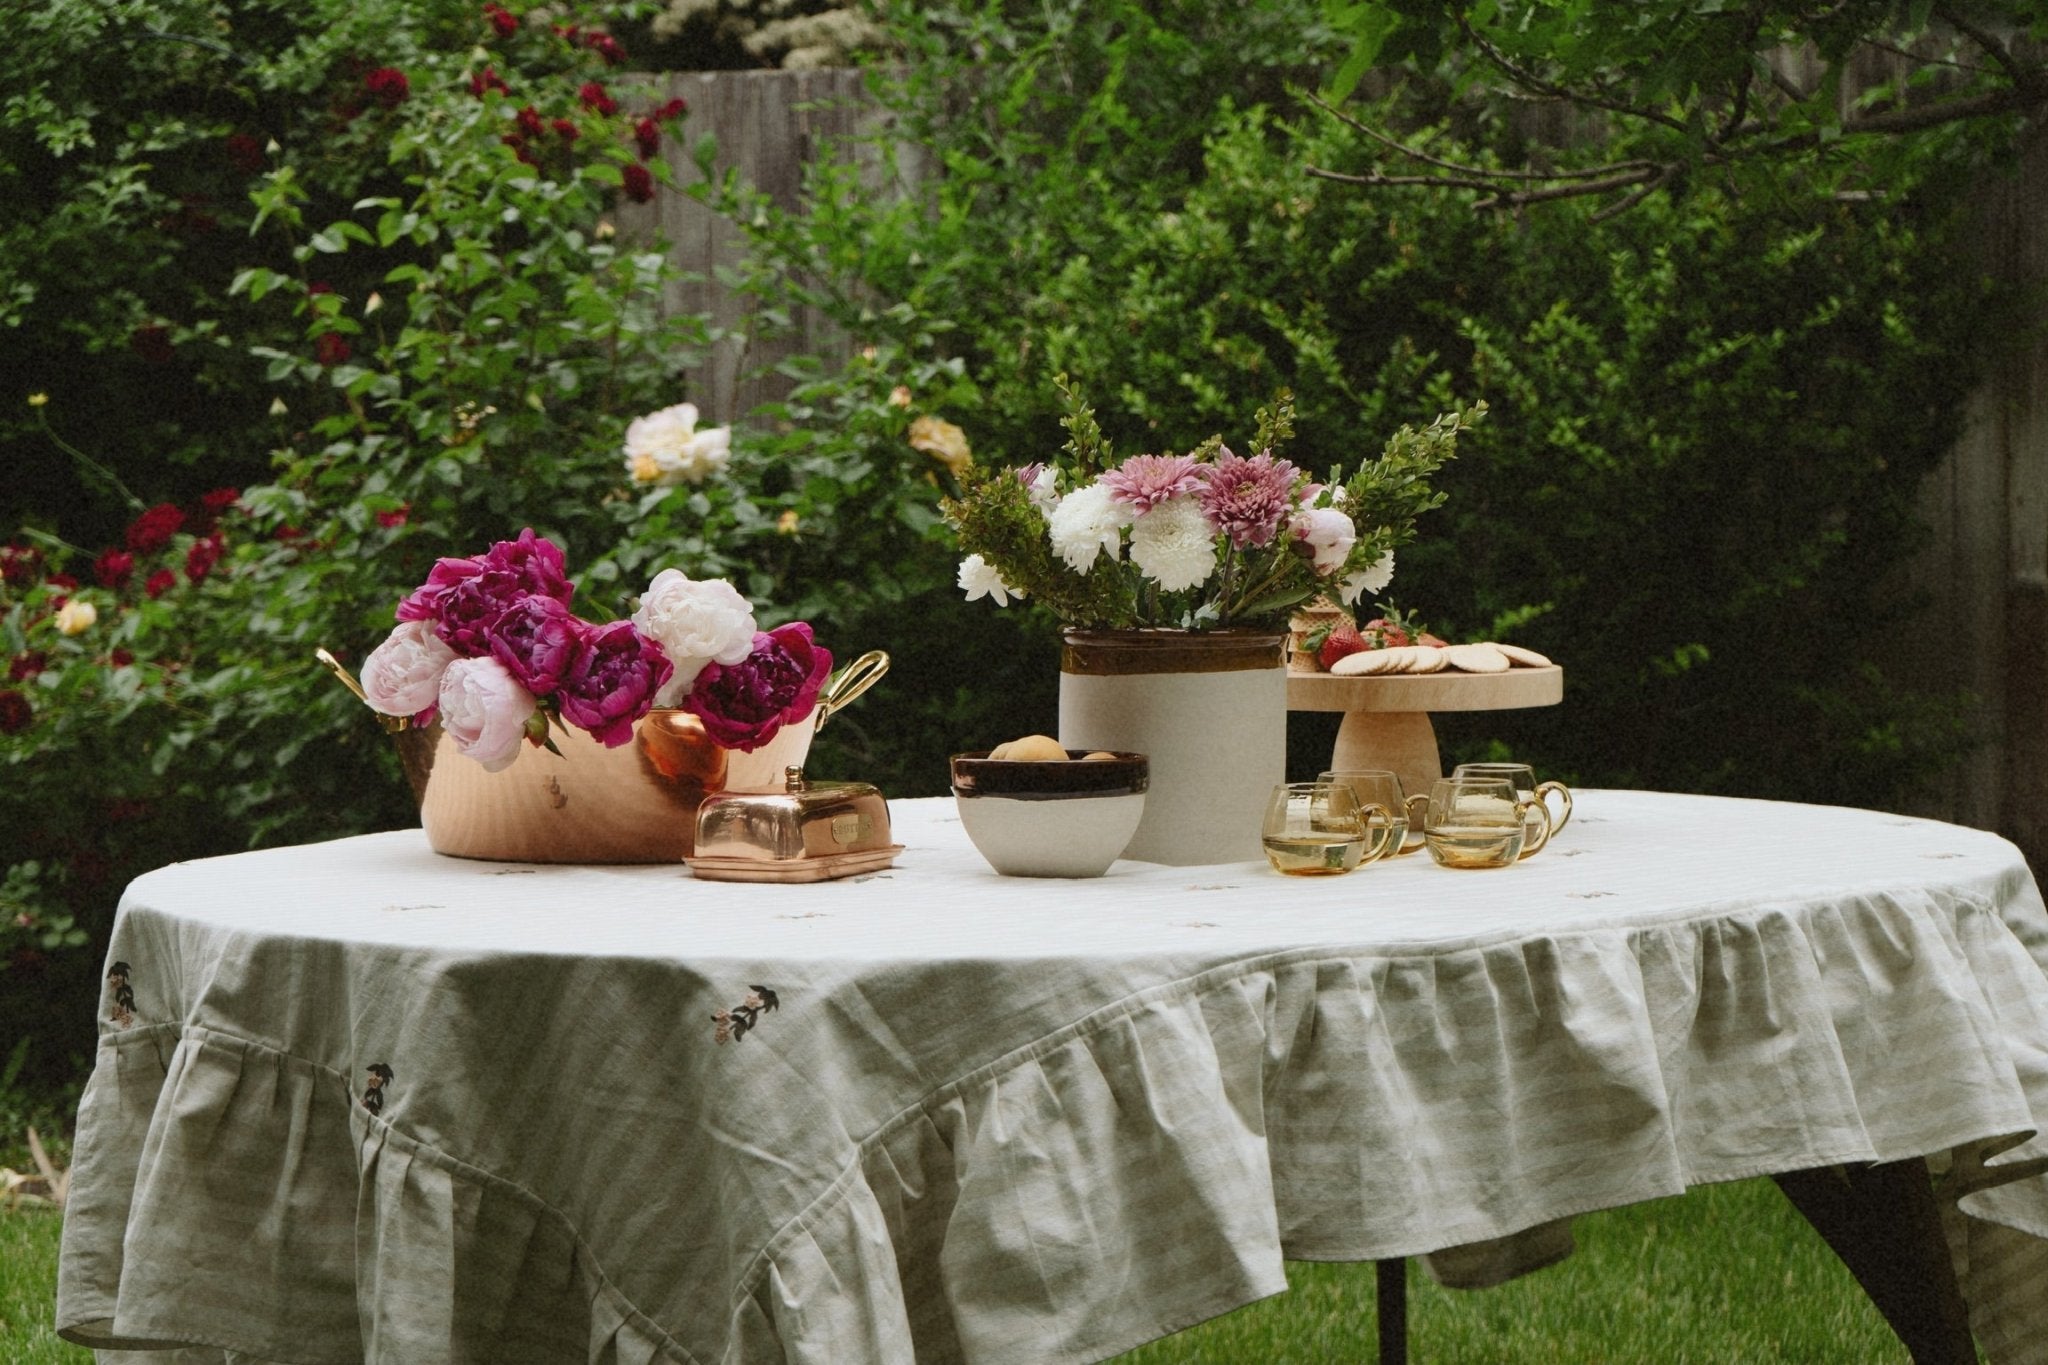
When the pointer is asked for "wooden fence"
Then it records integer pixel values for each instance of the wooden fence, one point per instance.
(1987, 569)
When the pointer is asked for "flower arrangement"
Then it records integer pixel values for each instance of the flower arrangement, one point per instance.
(489, 647)
(1196, 541)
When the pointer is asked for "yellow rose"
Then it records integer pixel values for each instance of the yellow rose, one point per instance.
(786, 523)
(942, 441)
(76, 617)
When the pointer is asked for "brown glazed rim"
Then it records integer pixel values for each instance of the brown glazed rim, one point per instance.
(977, 774)
(1124, 653)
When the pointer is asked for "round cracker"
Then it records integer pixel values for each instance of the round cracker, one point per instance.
(1426, 659)
(1476, 658)
(1365, 663)
(1523, 658)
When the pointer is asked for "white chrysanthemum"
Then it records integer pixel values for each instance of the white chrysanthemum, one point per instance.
(1373, 580)
(695, 623)
(979, 578)
(1087, 522)
(665, 447)
(1174, 545)
(1044, 494)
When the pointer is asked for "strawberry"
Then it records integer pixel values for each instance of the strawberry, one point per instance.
(1380, 633)
(1343, 639)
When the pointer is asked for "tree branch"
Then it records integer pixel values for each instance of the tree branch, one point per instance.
(1491, 173)
(1537, 83)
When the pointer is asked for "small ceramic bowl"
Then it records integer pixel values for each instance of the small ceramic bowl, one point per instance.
(1067, 819)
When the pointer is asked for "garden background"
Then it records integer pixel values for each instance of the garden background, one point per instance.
(296, 298)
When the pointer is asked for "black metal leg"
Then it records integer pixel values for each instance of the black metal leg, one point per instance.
(1882, 1221)
(1391, 1283)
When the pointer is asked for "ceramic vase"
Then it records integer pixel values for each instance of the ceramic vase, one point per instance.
(1210, 711)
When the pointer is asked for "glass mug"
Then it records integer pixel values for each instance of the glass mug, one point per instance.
(1481, 822)
(1527, 788)
(1317, 829)
(1378, 787)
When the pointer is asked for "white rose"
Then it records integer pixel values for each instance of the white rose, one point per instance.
(1087, 522)
(695, 623)
(402, 676)
(485, 710)
(979, 578)
(1373, 580)
(1329, 533)
(665, 447)
(76, 617)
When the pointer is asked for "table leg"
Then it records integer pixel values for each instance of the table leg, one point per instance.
(1882, 1221)
(1402, 742)
(1391, 1286)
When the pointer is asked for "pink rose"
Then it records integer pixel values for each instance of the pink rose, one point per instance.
(612, 682)
(402, 676)
(537, 639)
(485, 711)
(743, 705)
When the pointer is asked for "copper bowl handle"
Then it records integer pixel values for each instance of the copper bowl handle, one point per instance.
(849, 683)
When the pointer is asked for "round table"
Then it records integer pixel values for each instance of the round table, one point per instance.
(358, 1101)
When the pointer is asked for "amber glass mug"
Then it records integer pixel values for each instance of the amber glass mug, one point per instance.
(1481, 822)
(1527, 788)
(1378, 787)
(1315, 829)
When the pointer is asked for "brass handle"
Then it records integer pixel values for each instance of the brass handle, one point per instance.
(1415, 824)
(1560, 821)
(1377, 817)
(392, 724)
(849, 683)
(1522, 809)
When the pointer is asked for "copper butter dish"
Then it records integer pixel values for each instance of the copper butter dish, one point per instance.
(807, 832)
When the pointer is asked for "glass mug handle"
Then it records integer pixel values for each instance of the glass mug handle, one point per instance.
(1543, 789)
(1534, 806)
(1376, 817)
(1415, 823)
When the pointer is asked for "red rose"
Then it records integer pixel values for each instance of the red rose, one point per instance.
(153, 529)
(675, 108)
(245, 153)
(114, 568)
(647, 133)
(486, 81)
(121, 658)
(331, 348)
(200, 559)
(152, 342)
(26, 666)
(520, 149)
(318, 287)
(565, 129)
(388, 86)
(220, 499)
(159, 583)
(638, 184)
(503, 20)
(593, 95)
(19, 563)
(285, 535)
(15, 712)
(392, 520)
(61, 580)
(529, 121)
(607, 47)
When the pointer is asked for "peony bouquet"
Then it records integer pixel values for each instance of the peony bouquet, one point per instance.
(489, 647)
(1197, 541)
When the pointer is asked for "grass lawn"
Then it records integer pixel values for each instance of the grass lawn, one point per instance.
(1726, 1275)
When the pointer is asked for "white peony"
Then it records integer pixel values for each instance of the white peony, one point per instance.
(665, 447)
(1087, 522)
(1329, 534)
(1373, 580)
(402, 676)
(1174, 545)
(696, 623)
(979, 578)
(485, 710)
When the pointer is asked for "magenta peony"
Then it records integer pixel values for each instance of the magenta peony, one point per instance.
(612, 682)
(465, 597)
(536, 563)
(743, 705)
(538, 639)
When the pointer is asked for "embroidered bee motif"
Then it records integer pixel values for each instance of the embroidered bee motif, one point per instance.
(123, 1012)
(374, 1080)
(734, 1024)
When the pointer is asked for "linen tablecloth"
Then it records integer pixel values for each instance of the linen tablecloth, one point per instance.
(357, 1101)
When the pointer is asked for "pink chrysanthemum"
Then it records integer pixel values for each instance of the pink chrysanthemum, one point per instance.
(1144, 481)
(1248, 498)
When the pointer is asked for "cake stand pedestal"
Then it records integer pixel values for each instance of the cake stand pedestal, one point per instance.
(1386, 716)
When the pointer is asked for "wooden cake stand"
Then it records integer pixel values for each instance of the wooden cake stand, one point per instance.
(1386, 716)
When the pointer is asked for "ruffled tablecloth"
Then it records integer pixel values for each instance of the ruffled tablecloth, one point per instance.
(355, 1101)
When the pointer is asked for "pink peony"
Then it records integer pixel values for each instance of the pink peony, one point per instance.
(537, 639)
(612, 682)
(1144, 481)
(1246, 499)
(743, 705)
(402, 676)
(485, 711)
